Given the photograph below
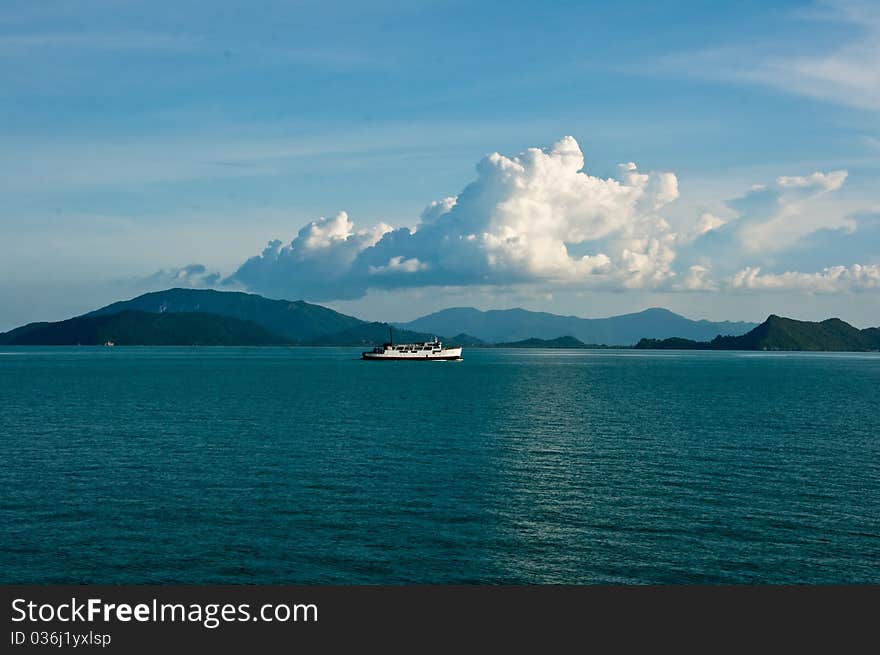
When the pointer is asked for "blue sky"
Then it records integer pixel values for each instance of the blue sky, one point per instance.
(142, 139)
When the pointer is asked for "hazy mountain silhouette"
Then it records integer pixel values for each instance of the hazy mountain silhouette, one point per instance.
(558, 342)
(508, 325)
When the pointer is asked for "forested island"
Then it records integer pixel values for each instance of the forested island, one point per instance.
(204, 317)
(778, 333)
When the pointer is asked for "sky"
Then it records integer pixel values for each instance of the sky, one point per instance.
(389, 159)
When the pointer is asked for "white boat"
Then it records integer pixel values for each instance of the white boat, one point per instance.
(422, 351)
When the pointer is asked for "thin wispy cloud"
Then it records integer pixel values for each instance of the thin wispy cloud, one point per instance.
(84, 41)
(846, 72)
(217, 152)
(238, 52)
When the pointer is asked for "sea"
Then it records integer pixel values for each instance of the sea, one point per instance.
(308, 465)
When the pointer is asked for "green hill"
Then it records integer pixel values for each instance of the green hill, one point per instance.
(778, 333)
(131, 328)
(296, 321)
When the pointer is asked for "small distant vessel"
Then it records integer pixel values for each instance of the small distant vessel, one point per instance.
(109, 343)
(422, 351)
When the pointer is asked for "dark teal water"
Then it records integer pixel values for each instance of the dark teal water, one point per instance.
(305, 465)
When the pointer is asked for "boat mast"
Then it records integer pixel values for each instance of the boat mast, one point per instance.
(390, 336)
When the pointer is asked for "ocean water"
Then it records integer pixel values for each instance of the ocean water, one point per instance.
(307, 465)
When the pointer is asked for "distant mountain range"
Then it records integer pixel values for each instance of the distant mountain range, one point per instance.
(558, 342)
(370, 334)
(208, 317)
(778, 333)
(509, 325)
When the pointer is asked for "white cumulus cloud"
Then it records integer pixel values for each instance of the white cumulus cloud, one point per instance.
(770, 219)
(708, 222)
(191, 275)
(539, 219)
(399, 264)
(536, 216)
(833, 279)
(315, 264)
(697, 278)
(777, 216)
